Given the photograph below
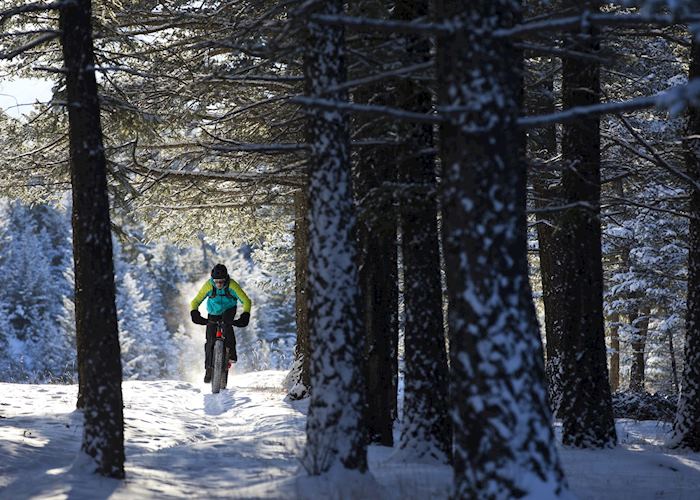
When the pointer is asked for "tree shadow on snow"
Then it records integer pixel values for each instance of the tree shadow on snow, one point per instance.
(42, 457)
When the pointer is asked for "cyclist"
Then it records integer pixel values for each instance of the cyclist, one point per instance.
(222, 294)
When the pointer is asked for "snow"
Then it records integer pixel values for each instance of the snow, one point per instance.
(183, 441)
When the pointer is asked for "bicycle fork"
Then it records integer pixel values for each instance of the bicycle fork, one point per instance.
(220, 335)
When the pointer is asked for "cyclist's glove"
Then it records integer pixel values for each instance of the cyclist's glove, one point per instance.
(197, 318)
(242, 320)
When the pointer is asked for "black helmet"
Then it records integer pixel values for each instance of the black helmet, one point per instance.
(219, 272)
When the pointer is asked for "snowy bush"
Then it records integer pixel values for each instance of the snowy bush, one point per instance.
(644, 405)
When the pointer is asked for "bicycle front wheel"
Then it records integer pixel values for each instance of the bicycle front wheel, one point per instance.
(217, 368)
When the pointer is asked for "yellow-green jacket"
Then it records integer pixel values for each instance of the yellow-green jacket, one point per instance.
(219, 300)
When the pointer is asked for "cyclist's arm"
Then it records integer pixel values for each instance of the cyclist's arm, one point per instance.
(241, 295)
(203, 292)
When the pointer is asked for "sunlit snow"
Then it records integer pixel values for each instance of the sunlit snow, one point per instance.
(183, 441)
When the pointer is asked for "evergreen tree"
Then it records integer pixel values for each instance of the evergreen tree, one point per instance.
(335, 434)
(504, 443)
(374, 168)
(96, 319)
(586, 406)
(34, 260)
(425, 430)
(686, 426)
(298, 381)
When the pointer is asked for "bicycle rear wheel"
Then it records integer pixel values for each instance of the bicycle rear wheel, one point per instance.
(218, 365)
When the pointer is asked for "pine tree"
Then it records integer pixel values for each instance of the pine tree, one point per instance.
(586, 406)
(96, 319)
(335, 434)
(298, 382)
(375, 168)
(504, 443)
(686, 426)
(426, 429)
(33, 265)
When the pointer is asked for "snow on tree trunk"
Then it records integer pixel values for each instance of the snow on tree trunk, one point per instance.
(335, 431)
(299, 382)
(585, 406)
(504, 443)
(686, 427)
(95, 310)
(426, 427)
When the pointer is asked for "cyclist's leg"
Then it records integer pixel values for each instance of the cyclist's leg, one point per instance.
(230, 342)
(209, 345)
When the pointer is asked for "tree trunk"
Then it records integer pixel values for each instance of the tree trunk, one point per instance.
(641, 325)
(614, 320)
(674, 366)
(686, 427)
(378, 286)
(375, 168)
(426, 427)
(500, 413)
(615, 354)
(546, 184)
(586, 405)
(95, 310)
(299, 384)
(335, 432)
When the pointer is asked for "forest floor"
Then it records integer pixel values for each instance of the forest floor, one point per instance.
(182, 441)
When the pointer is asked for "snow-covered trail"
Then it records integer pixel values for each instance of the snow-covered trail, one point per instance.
(183, 441)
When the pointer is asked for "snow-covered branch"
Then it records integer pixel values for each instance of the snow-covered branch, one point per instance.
(656, 157)
(578, 112)
(382, 25)
(396, 113)
(381, 76)
(570, 23)
(27, 8)
(246, 177)
(585, 21)
(29, 45)
(673, 100)
(231, 146)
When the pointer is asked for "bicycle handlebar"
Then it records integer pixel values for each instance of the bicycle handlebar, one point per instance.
(218, 322)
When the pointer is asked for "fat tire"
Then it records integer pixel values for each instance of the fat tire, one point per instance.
(218, 364)
(224, 376)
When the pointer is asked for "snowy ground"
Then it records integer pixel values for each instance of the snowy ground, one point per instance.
(183, 441)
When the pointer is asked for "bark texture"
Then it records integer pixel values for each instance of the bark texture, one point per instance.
(686, 427)
(335, 431)
(503, 443)
(546, 184)
(95, 311)
(615, 354)
(374, 175)
(299, 382)
(426, 427)
(586, 406)
(640, 322)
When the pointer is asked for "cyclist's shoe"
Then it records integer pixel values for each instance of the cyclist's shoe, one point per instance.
(207, 376)
(232, 356)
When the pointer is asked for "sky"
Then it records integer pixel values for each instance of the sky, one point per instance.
(17, 96)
